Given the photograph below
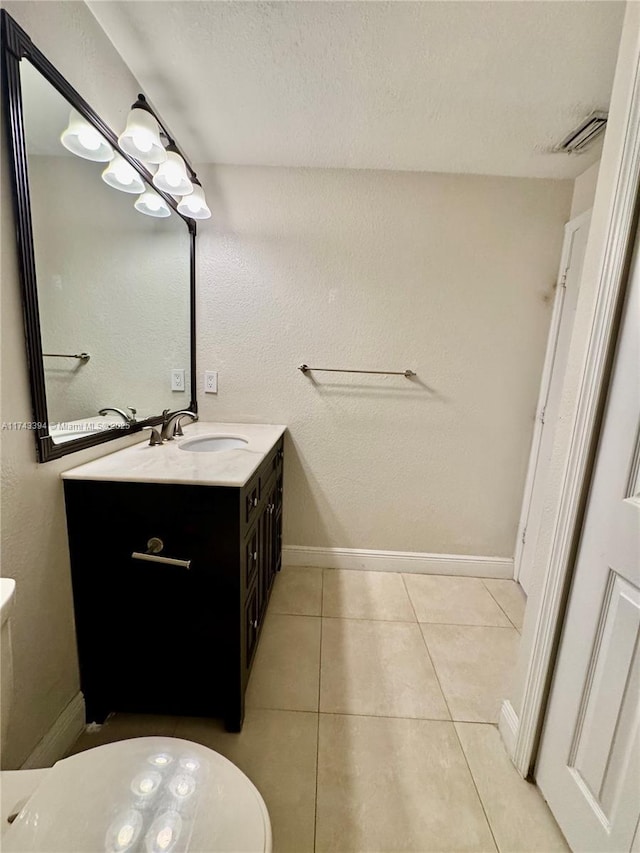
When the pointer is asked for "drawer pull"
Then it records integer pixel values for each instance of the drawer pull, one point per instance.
(168, 561)
(154, 547)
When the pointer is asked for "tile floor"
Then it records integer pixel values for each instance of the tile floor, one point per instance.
(371, 717)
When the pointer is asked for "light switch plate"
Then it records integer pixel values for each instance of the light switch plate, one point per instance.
(177, 379)
(211, 382)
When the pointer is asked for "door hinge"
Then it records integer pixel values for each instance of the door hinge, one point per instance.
(524, 535)
(563, 279)
(542, 415)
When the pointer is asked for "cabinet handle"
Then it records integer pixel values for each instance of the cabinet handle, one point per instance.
(255, 556)
(255, 623)
(255, 501)
(168, 561)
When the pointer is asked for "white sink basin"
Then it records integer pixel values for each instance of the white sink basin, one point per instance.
(213, 443)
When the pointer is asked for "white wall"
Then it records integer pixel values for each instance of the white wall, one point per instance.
(584, 190)
(452, 276)
(34, 545)
(626, 71)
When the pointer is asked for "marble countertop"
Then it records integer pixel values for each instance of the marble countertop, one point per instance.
(167, 463)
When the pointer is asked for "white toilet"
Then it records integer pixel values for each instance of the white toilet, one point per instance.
(148, 795)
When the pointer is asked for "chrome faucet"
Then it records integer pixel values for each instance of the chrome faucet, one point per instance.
(128, 419)
(171, 425)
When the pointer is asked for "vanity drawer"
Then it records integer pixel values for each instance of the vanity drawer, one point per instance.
(252, 499)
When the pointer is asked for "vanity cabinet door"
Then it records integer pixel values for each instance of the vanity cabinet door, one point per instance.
(150, 634)
(268, 543)
(252, 624)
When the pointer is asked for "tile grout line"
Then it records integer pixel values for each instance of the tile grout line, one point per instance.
(473, 782)
(453, 723)
(315, 804)
(499, 605)
(433, 666)
(509, 627)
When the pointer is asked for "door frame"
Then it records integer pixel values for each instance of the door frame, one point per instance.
(570, 228)
(521, 734)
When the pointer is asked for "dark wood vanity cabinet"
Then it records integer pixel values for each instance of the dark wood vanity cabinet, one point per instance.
(162, 638)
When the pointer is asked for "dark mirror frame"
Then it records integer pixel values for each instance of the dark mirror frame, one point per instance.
(16, 46)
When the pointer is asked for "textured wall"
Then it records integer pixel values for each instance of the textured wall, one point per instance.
(451, 276)
(34, 545)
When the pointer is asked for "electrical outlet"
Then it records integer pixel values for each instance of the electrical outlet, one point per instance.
(211, 382)
(177, 379)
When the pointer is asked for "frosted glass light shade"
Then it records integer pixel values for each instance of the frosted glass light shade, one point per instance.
(152, 204)
(194, 205)
(82, 139)
(122, 176)
(141, 137)
(172, 177)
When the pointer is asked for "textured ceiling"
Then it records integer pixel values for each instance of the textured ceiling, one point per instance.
(479, 87)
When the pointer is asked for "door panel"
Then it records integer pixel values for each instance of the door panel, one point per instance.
(589, 765)
(564, 309)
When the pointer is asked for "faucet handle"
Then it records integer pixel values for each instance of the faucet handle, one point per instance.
(155, 438)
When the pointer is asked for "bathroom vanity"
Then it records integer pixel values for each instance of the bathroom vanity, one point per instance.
(173, 554)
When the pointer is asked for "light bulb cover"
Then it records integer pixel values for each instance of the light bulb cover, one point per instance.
(194, 205)
(172, 176)
(82, 139)
(122, 176)
(151, 204)
(141, 137)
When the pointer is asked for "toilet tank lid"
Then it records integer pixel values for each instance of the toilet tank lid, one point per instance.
(7, 590)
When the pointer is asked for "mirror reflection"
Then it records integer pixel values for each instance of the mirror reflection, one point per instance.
(112, 267)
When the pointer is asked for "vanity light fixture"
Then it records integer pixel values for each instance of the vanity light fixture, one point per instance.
(171, 176)
(141, 136)
(122, 176)
(174, 176)
(82, 139)
(152, 204)
(194, 205)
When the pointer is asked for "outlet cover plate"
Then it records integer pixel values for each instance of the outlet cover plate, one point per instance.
(177, 379)
(211, 382)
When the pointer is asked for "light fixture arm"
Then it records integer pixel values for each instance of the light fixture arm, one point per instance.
(143, 104)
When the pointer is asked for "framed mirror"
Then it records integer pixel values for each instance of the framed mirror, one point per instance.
(108, 290)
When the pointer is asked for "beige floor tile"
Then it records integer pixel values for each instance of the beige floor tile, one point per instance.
(379, 668)
(286, 669)
(392, 785)
(366, 595)
(297, 591)
(474, 665)
(510, 596)
(277, 750)
(125, 726)
(453, 601)
(519, 817)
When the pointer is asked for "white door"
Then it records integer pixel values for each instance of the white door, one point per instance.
(555, 362)
(589, 763)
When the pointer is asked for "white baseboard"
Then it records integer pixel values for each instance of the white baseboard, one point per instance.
(60, 737)
(398, 561)
(508, 723)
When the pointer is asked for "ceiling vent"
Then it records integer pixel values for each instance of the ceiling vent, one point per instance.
(584, 134)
